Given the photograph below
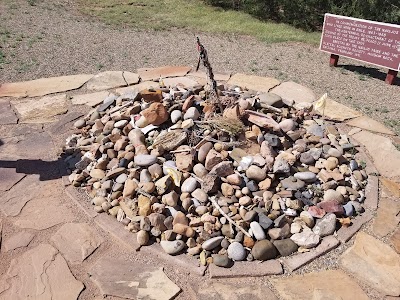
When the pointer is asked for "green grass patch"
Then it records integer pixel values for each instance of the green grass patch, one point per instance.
(193, 15)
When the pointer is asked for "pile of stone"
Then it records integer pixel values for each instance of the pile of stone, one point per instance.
(260, 179)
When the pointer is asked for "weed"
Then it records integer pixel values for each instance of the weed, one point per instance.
(99, 66)
(32, 2)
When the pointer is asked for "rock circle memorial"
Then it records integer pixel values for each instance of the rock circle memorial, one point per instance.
(247, 176)
(372, 42)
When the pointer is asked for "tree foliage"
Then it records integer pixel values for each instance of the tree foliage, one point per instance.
(309, 14)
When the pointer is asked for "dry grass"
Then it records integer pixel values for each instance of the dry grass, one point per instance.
(191, 14)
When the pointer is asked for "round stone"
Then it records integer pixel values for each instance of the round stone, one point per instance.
(307, 158)
(332, 195)
(306, 176)
(200, 195)
(121, 178)
(258, 231)
(326, 225)
(173, 247)
(189, 185)
(221, 260)
(145, 160)
(212, 243)
(287, 125)
(236, 251)
(264, 250)
(176, 115)
(80, 123)
(256, 173)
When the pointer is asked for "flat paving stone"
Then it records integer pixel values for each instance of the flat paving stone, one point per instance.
(43, 86)
(17, 240)
(369, 124)
(65, 122)
(164, 72)
(8, 178)
(338, 112)
(106, 80)
(7, 115)
(346, 233)
(332, 285)
(245, 269)
(252, 82)
(39, 273)
(217, 76)
(184, 82)
(14, 200)
(385, 155)
(76, 241)
(393, 187)
(225, 291)
(298, 260)
(41, 110)
(45, 210)
(373, 262)
(387, 217)
(131, 280)
(138, 87)
(131, 78)
(27, 147)
(91, 99)
(395, 240)
(372, 193)
(292, 91)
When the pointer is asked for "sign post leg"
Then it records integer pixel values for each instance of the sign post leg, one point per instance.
(391, 76)
(333, 60)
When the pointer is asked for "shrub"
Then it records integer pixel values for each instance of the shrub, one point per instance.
(309, 14)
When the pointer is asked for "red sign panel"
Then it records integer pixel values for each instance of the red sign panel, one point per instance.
(372, 42)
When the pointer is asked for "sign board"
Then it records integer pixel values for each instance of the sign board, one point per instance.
(372, 42)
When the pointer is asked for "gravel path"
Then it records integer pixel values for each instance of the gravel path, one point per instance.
(52, 38)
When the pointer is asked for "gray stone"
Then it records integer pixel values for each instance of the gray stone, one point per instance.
(145, 160)
(270, 99)
(264, 250)
(293, 184)
(221, 260)
(189, 185)
(306, 239)
(173, 247)
(326, 225)
(191, 113)
(212, 243)
(236, 251)
(306, 176)
(285, 247)
(116, 277)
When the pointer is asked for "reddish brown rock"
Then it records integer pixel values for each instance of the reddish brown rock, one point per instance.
(156, 113)
(332, 206)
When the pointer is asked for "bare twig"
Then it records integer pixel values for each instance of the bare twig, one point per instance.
(216, 205)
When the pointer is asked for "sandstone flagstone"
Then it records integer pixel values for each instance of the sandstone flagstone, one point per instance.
(164, 72)
(8, 178)
(17, 240)
(292, 91)
(393, 187)
(106, 80)
(7, 115)
(217, 76)
(39, 273)
(373, 262)
(395, 240)
(232, 291)
(14, 200)
(62, 125)
(92, 99)
(131, 78)
(338, 112)
(184, 82)
(252, 82)
(138, 87)
(387, 218)
(43, 86)
(41, 110)
(385, 155)
(76, 241)
(370, 124)
(116, 277)
(332, 285)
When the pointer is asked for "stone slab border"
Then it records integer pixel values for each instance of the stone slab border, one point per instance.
(239, 269)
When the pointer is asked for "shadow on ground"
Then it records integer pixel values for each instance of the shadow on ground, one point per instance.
(369, 71)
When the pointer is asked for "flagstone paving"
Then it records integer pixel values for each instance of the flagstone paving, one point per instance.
(52, 248)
